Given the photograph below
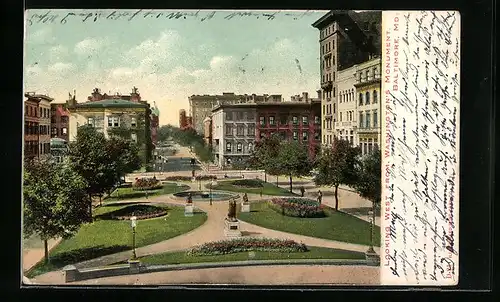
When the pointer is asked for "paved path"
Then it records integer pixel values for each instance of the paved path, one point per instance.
(257, 275)
(32, 256)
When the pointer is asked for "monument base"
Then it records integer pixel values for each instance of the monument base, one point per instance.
(232, 228)
(188, 210)
(245, 207)
(372, 258)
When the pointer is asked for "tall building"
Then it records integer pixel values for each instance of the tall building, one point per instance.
(59, 121)
(122, 115)
(43, 121)
(182, 119)
(200, 106)
(31, 128)
(345, 126)
(368, 86)
(346, 38)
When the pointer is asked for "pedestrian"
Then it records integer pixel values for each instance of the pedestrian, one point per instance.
(320, 196)
(302, 191)
(261, 192)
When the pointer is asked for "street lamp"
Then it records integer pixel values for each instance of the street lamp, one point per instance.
(133, 222)
(211, 185)
(371, 214)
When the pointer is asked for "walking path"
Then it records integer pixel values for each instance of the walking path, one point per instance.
(32, 256)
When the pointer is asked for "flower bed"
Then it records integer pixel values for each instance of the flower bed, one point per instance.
(146, 184)
(248, 183)
(141, 211)
(297, 207)
(246, 245)
(188, 178)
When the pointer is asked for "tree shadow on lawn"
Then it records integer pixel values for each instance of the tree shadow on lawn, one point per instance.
(72, 257)
(295, 184)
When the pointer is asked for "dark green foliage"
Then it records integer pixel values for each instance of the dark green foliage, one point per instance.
(297, 207)
(141, 211)
(293, 160)
(368, 184)
(249, 183)
(247, 244)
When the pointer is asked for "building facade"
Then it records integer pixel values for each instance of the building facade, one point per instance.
(345, 126)
(299, 121)
(59, 121)
(369, 109)
(31, 128)
(43, 122)
(200, 106)
(346, 39)
(182, 119)
(114, 115)
(155, 124)
(233, 133)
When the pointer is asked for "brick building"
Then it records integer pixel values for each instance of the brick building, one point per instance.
(43, 121)
(59, 121)
(31, 128)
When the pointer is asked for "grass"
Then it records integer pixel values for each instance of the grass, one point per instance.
(334, 226)
(267, 189)
(313, 253)
(104, 237)
(129, 193)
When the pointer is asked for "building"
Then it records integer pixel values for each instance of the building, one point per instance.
(122, 115)
(345, 126)
(43, 122)
(200, 106)
(368, 86)
(59, 121)
(155, 124)
(207, 133)
(300, 121)
(182, 119)
(233, 132)
(58, 149)
(346, 38)
(31, 128)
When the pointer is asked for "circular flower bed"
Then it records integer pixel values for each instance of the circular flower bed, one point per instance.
(141, 211)
(297, 207)
(146, 184)
(188, 178)
(248, 183)
(246, 245)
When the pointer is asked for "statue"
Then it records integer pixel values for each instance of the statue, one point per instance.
(245, 198)
(231, 215)
(190, 199)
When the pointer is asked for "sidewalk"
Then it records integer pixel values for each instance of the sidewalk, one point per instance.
(32, 256)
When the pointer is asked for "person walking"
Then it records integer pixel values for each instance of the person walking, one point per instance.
(320, 196)
(302, 191)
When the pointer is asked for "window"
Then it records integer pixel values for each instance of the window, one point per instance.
(361, 120)
(64, 119)
(271, 121)
(133, 136)
(250, 116)
(228, 147)
(366, 74)
(284, 119)
(304, 136)
(370, 148)
(239, 115)
(64, 130)
(251, 129)
(113, 121)
(239, 147)
(316, 135)
(360, 99)
(317, 120)
(340, 117)
(53, 120)
(375, 97)
(368, 121)
(133, 122)
(229, 130)
(305, 120)
(54, 131)
(262, 120)
(295, 135)
(90, 121)
(228, 116)
(250, 147)
(295, 120)
(240, 130)
(375, 119)
(375, 72)
(367, 96)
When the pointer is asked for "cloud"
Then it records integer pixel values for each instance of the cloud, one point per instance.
(41, 36)
(58, 52)
(60, 68)
(89, 46)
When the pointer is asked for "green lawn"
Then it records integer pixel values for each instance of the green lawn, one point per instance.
(335, 226)
(103, 237)
(129, 193)
(268, 189)
(313, 253)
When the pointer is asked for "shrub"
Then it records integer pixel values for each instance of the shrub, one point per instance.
(297, 207)
(249, 183)
(146, 184)
(246, 245)
(188, 178)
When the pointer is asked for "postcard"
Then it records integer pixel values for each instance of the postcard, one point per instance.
(240, 147)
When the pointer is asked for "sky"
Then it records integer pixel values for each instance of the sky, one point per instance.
(170, 59)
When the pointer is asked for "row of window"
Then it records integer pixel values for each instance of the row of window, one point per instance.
(59, 131)
(328, 62)
(240, 130)
(33, 112)
(113, 121)
(327, 47)
(368, 145)
(35, 148)
(328, 124)
(239, 147)
(284, 120)
(366, 121)
(33, 128)
(346, 96)
(63, 119)
(367, 98)
(326, 31)
(295, 135)
(367, 74)
(239, 116)
(327, 109)
(349, 115)
(329, 77)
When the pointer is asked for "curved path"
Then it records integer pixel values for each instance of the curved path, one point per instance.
(211, 230)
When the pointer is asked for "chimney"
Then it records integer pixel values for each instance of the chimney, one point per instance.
(305, 95)
(319, 94)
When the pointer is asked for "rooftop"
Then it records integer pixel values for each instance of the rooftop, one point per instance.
(32, 95)
(111, 103)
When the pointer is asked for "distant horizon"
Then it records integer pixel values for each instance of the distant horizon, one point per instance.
(169, 60)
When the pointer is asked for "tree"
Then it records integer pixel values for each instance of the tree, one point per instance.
(126, 155)
(293, 160)
(337, 166)
(165, 132)
(265, 154)
(93, 162)
(55, 201)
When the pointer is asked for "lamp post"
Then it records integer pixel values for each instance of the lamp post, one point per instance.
(211, 184)
(133, 222)
(371, 213)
